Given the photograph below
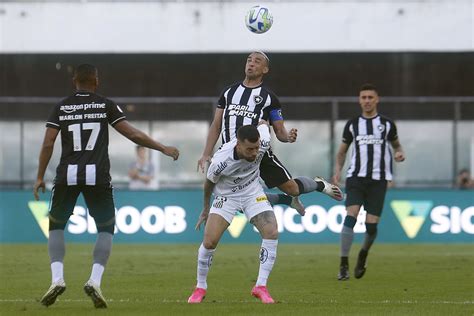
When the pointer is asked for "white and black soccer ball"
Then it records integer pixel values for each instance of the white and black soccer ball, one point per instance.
(259, 19)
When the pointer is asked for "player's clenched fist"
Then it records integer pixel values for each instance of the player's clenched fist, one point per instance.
(171, 151)
(292, 135)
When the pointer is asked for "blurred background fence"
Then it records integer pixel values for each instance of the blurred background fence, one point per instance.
(436, 132)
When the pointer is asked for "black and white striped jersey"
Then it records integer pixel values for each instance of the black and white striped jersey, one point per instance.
(246, 106)
(83, 120)
(371, 153)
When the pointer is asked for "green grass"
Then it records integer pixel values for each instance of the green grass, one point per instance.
(157, 279)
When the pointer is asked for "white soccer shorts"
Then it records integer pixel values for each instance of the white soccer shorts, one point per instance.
(252, 205)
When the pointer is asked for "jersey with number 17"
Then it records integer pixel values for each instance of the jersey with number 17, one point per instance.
(82, 120)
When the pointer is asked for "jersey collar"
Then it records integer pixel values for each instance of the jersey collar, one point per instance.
(370, 118)
(242, 84)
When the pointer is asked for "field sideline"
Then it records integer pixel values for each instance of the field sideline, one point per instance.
(422, 279)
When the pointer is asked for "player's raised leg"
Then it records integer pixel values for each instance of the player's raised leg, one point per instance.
(215, 227)
(301, 185)
(291, 201)
(266, 224)
(275, 174)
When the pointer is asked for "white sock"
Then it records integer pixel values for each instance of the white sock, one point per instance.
(268, 254)
(96, 274)
(57, 271)
(203, 264)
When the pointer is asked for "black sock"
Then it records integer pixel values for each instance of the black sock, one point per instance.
(275, 199)
(284, 199)
(344, 261)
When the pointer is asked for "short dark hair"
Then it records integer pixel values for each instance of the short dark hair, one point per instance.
(248, 132)
(85, 73)
(264, 56)
(368, 86)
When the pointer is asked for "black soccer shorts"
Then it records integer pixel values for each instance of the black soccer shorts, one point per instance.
(99, 201)
(272, 171)
(367, 192)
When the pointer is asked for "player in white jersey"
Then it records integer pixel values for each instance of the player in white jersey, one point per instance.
(247, 102)
(233, 179)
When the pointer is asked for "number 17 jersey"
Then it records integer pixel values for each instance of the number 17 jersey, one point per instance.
(82, 120)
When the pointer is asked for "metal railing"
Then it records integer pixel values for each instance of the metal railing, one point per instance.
(459, 109)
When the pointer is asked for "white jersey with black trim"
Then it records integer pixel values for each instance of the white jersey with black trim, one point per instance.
(236, 177)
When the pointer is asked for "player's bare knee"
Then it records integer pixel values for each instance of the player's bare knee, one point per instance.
(209, 244)
(290, 187)
(353, 210)
(271, 233)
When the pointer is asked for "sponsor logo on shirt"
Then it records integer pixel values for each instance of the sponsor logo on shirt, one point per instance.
(262, 198)
(220, 167)
(264, 143)
(71, 108)
(241, 110)
(246, 184)
(237, 180)
(369, 140)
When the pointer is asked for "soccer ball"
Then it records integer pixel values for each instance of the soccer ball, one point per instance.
(259, 19)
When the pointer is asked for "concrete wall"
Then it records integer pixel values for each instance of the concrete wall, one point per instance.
(164, 26)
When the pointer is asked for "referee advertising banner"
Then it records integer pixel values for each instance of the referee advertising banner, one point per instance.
(170, 216)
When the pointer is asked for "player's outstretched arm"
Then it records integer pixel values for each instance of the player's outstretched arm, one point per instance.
(282, 134)
(44, 157)
(140, 138)
(340, 159)
(212, 137)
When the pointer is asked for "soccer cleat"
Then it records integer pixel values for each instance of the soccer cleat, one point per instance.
(198, 295)
(297, 205)
(343, 273)
(93, 291)
(261, 292)
(331, 189)
(56, 289)
(361, 266)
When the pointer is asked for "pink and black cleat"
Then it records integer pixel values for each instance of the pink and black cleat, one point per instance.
(261, 292)
(198, 295)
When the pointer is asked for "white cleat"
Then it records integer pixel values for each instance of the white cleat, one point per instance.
(298, 205)
(56, 289)
(93, 291)
(331, 189)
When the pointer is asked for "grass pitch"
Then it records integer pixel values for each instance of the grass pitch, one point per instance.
(157, 279)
